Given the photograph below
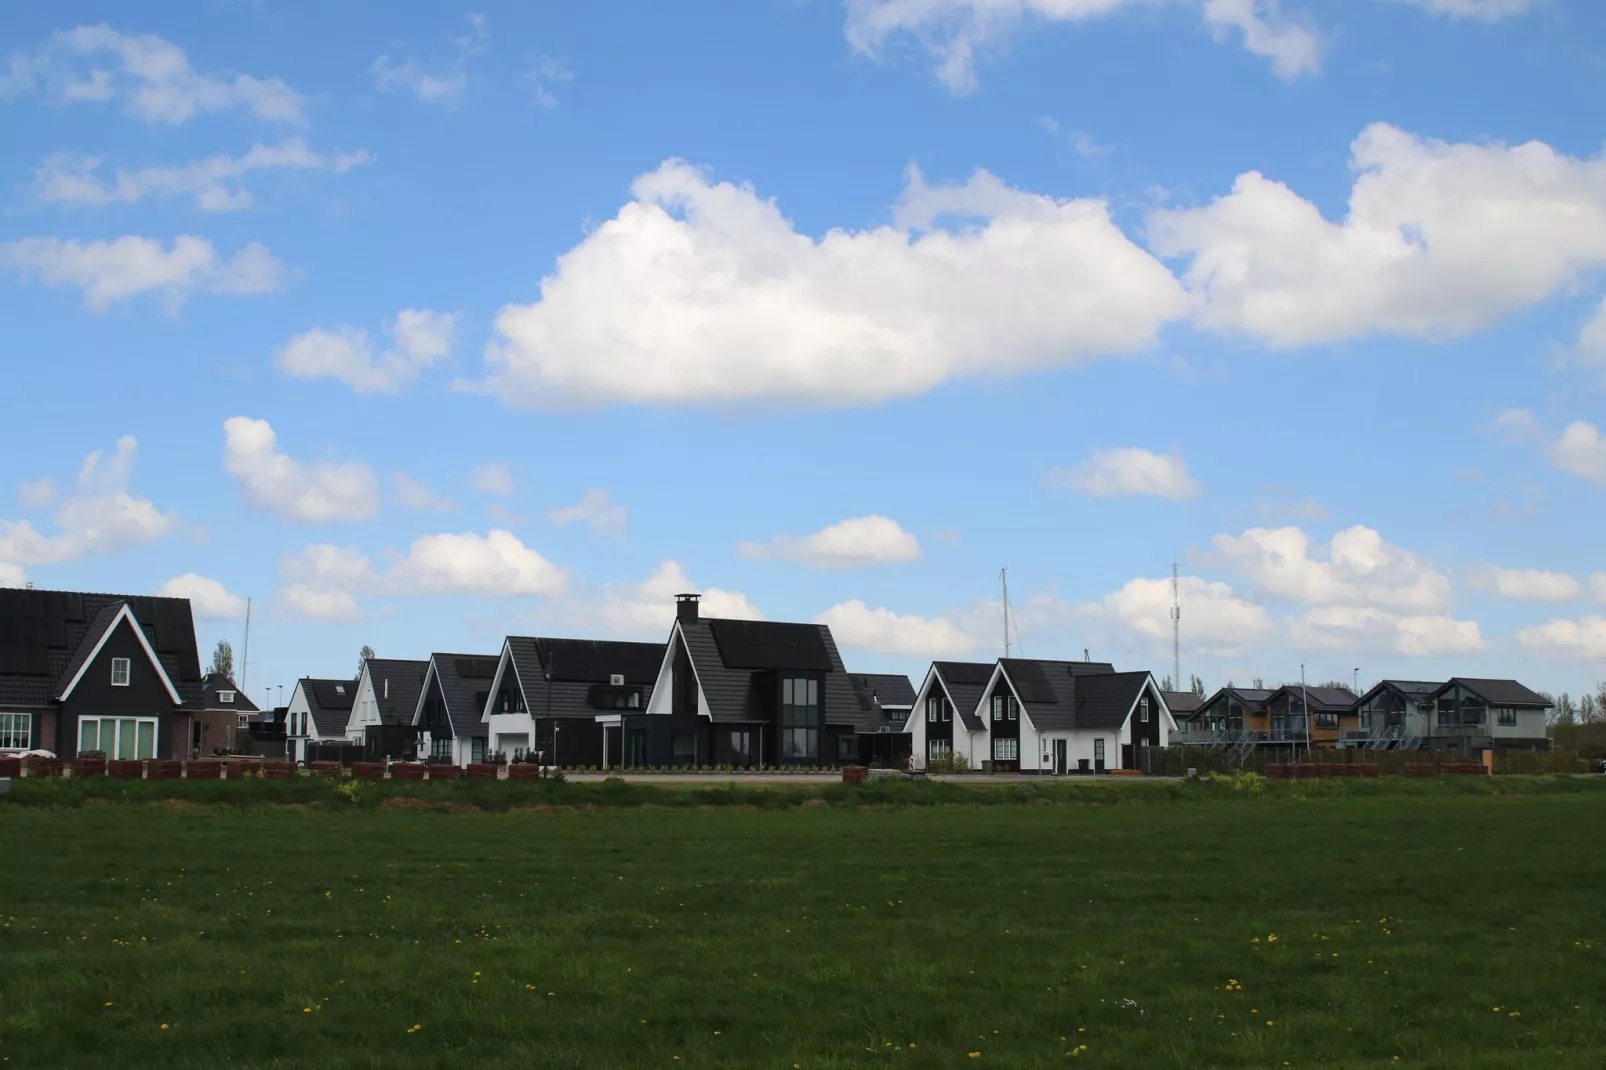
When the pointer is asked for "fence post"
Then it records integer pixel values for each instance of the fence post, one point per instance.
(1488, 761)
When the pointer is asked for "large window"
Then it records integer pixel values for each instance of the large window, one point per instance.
(1006, 750)
(440, 747)
(800, 719)
(937, 709)
(683, 748)
(741, 746)
(118, 737)
(938, 748)
(1508, 718)
(16, 731)
(1327, 720)
(1005, 708)
(120, 669)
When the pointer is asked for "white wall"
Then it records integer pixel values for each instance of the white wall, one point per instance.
(1079, 744)
(364, 710)
(519, 726)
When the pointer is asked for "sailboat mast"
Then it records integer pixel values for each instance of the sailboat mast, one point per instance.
(245, 652)
(1003, 578)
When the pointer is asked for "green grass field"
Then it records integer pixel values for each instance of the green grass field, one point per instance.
(1453, 924)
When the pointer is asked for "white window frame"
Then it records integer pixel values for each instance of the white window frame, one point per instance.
(1143, 709)
(1006, 749)
(9, 734)
(127, 666)
(117, 735)
(226, 697)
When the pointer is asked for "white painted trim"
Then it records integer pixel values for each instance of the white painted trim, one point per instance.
(667, 669)
(917, 712)
(124, 613)
(100, 718)
(423, 694)
(496, 681)
(609, 719)
(352, 723)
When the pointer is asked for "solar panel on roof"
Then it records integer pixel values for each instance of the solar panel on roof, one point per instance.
(758, 644)
(476, 668)
(1029, 681)
(959, 672)
(593, 661)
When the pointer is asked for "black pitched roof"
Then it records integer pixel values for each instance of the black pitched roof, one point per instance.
(1182, 703)
(1065, 695)
(965, 681)
(42, 633)
(215, 682)
(1104, 700)
(888, 689)
(329, 704)
(578, 666)
(1498, 692)
(398, 701)
(462, 679)
(1324, 698)
(757, 648)
(1410, 690)
(1253, 699)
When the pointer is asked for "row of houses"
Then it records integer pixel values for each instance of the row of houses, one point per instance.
(121, 675)
(1461, 713)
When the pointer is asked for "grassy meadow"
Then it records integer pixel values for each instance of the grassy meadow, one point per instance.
(1423, 923)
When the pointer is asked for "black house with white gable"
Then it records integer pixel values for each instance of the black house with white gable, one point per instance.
(81, 673)
(751, 693)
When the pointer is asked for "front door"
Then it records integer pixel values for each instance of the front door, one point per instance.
(612, 745)
(636, 748)
(1059, 757)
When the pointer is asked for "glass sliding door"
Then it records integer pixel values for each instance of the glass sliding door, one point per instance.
(118, 737)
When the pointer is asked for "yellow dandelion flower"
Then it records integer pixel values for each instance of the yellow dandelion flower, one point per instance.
(975, 1055)
(164, 1026)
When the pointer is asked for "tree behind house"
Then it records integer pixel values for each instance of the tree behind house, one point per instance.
(364, 656)
(223, 660)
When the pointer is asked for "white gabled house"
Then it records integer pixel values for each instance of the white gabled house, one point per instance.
(456, 689)
(944, 717)
(318, 712)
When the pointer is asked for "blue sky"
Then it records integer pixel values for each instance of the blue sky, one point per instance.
(419, 325)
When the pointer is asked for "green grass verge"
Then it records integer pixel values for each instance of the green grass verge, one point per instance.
(679, 928)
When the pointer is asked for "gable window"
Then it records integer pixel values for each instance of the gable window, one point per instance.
(226, 697)
(118, 737)
(933, 709)
(1143, 709)
(1006, 750)
(16, 731)
(120, 667)
(1508, 718)
(800, 719)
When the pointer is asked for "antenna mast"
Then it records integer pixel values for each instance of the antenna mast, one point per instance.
(1176, 630)
(245, 653)
(1003, 578)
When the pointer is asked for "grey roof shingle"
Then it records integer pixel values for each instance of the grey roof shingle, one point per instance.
(42, 633)
(1068, 695)
(1324, 698)
(329, 704)
(461, 685)
(578, 665)
(965, 681)
(215, 682)
(1182, 703)
(732, 693)
(1499, 692)
(397, 684)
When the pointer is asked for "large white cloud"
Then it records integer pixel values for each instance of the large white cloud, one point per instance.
(1580, 450)
(12, 575)
(277, 482)
(881, 631)
(1129, 471)
(214, 182)
(1368, 629)
(151, 76)
(1439, 240)
(852, 543)
(1358, 568)
(117, 270)
(701, 292)
(955, 31)
(1525, 584)
(100, 516)
(1216, 621)
(345, 353)
(646, 609)
(209, 599)
(324, 580)
(1567, 640)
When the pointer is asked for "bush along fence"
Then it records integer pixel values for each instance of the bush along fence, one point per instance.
(1176, 761)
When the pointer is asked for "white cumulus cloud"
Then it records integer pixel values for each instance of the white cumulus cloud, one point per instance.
(150, 75)
(1368, 629)
(957, 33)
(852, 543)
(420, 338)
(702, 292)
(209, 599)
(1579, 451)
(1525, 584)
(317, 603)
(275, 481)
(1567, 640)
(1439, 240)
(646, 609)
(127, 267)
(100, 516)
(596, 509)
(1358, 568)
(1127, 471)
(882, 631)
(215, 183)
(1216, 621)
(38, 494)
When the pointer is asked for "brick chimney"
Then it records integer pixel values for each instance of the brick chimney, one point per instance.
(686, 606)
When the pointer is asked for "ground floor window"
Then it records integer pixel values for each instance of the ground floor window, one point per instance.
(1006, 750)
(938, 748)
(800, 744)
(683, 748)
(636, 747)
(440, 747)
(16, 731)
(847, 748)
(118, 737)
(1098, 749)
(741, 746)
(476, 749)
